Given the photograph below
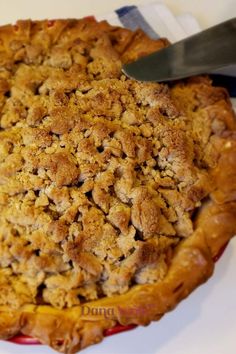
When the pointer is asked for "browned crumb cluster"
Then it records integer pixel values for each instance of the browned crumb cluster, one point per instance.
(99, 175)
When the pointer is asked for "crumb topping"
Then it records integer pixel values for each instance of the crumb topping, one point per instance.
(100, 175)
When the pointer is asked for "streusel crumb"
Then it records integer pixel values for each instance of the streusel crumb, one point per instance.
(100, 175)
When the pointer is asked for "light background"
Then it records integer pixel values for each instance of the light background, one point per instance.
(208, 12)
(205, 323)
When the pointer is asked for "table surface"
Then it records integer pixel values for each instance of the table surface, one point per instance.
(205, 322)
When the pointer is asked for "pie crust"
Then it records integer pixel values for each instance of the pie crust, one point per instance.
(84, 149)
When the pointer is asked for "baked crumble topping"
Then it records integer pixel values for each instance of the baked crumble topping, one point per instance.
(100, 176)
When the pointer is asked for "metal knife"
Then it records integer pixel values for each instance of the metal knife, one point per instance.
(201, 53)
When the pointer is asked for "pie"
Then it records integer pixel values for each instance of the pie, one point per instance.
(115, 195)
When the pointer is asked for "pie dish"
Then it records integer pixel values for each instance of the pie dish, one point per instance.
(115, 195)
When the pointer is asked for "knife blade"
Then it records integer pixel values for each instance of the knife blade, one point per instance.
(201, 53)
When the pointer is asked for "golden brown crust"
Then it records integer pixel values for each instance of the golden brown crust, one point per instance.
(162, 152)
(138, 306)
